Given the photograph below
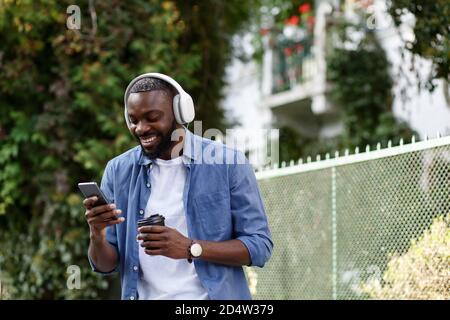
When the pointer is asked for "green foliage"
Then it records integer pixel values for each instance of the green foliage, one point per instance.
(61, 115)
(431, 33)
(362, 88)
(294, 146)
(40, 252)
(273, 16)
(209, 27)
(420, 273)
(290, 146)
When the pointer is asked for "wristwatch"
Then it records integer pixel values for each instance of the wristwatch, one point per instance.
(194, 250)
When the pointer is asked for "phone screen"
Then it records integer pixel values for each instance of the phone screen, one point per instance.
(90, 189)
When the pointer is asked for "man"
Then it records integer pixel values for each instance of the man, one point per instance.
(214, 217)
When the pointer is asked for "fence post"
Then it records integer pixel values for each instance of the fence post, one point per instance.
(333, 231)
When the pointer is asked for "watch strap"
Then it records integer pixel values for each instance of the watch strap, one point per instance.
(189, 259)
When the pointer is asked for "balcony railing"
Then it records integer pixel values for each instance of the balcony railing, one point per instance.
(292, 62)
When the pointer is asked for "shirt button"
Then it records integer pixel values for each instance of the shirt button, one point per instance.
(141, 211)
(148, 185)
(135, 268)
(132, 298)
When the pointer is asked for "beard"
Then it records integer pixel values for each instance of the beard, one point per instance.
(164, 145)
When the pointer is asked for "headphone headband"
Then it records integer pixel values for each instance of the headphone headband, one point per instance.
(183, 105)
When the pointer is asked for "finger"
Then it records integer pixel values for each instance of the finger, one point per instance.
(151, 236)
(94, 212)
(100, 209)
(153, 244)
(111, 222)
(89, 202)
(155, 252)
(99, 221)
(109, 215)
(116, 221)
(152, 229)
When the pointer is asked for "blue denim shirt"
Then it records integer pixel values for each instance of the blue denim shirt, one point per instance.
(222, 202)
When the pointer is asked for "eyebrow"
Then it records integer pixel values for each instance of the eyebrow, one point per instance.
(146, 113)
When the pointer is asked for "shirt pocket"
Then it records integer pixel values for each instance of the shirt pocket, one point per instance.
(213, 211)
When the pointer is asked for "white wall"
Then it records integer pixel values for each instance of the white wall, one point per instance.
(243, 99)
(426, 112)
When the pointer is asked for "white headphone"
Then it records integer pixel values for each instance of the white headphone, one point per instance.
(183, 106)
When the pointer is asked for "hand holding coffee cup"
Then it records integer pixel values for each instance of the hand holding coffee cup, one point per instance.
(157, 239)
(153, 220)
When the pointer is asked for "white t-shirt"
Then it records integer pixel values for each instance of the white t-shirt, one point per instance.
(161, 277)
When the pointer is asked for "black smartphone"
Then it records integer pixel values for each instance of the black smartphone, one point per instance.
(90, 189)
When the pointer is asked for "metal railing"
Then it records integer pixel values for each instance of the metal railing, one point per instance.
(292, 64)
(343, 227)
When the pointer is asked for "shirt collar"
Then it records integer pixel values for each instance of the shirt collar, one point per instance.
(190, 147)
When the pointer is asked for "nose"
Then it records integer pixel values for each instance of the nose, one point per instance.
(142, 127)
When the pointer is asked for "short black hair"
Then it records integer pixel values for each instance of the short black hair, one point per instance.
(152, 84)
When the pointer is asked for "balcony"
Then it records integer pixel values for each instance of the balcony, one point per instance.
(294, 75)
(292, 63)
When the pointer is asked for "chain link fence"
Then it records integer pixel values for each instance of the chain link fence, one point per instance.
(368, 225)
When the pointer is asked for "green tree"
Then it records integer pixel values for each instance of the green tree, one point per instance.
(362, 88)
(431, 34)
(61, 115)
(209, 27)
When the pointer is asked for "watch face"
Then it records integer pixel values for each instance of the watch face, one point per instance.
(196, 250)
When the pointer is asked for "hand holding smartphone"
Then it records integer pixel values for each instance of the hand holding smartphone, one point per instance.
(91, 189)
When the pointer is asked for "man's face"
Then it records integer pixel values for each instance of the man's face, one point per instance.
(152, 120)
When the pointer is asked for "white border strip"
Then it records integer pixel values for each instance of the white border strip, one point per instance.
(354, 158)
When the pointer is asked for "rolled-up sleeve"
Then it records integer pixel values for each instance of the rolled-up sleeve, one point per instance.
(107, 187)
(248, 214)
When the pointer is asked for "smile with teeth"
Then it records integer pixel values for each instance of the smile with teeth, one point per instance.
(148, 139)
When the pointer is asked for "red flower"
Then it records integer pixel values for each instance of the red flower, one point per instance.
(299, 48)
(263, 31)
(294, 20)
(287, 52)
(303, 8)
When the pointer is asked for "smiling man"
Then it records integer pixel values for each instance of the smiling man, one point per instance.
(214, 217)
(151, 100)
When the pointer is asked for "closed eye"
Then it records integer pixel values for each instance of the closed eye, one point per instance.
(150, 116)
(132, 120)
(153, 117)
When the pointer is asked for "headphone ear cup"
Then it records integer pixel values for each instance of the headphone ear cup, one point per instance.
(189, 110)
(176, 109)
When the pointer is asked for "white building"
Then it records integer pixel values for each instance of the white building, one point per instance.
(302, 104)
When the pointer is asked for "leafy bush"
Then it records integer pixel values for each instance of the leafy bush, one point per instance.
(421, 273)
(61, 115)
(36, 256)
(431, 34)
(359, 72)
